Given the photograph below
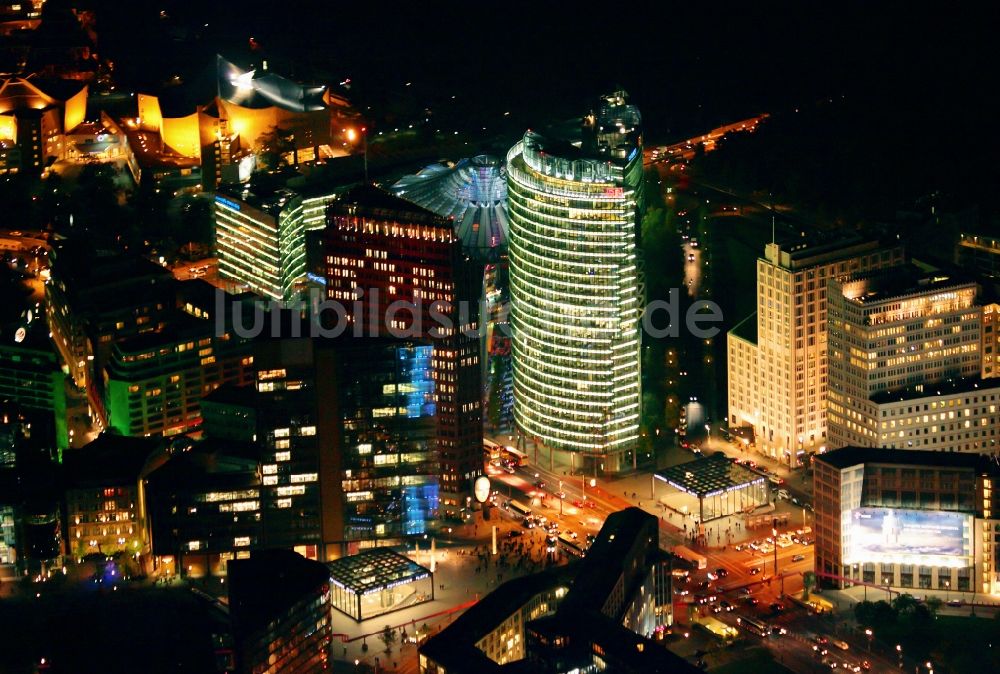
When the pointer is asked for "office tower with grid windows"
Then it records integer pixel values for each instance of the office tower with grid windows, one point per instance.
(574, 203)
(788, 409)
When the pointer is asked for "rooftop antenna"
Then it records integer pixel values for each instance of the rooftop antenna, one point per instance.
(772, 227)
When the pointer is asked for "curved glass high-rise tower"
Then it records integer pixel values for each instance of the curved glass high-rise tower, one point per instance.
(575, 300)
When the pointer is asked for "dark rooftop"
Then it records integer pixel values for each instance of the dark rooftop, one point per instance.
(884, 284)
(602, 567)
(373, 570)
(852, 456)
(372, 201)
(708, 475)
(108, 460)
(456, 643)
(747, 328)
(268, 584)
(947, 387)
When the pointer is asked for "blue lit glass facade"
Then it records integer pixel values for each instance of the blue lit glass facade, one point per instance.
(388, 411)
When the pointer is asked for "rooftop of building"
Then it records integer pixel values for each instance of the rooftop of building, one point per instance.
(28, 335)
(882, 285)
(709, 475)
(151, 153)
(746, 329)
(602, 567)
(271, 201)
(180, 327)
(109, 460)
(200, 464)
(35, 93)
(456, 644)
(288, 577)
(846, 457)
(374, 202)
(472, 192)
(230, 394)
(85, 269)
(818, 247)
(977, 240)
(944, 388)
(621, 647)
(374, 569)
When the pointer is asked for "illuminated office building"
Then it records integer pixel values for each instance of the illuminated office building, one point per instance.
(573, 206)
(203, 507)
(30, 372)
(907, 520)
(35, 117)
(904, 351)
(285, 630)
(154, 383)
(93, 301)
(345, 432)
(104, 511)
(261, 240)
(787, 410)
(389, 252)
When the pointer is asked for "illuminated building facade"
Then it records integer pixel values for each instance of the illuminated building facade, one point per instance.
(104, 510)
(909, 520)
(345, 431)
(744, 372)
(901, 330)
(979, 254)
(286, 629)
(788, 412)
(30, 373)
(574, 284)
(249, 105)
(387, 253)
(35, 117)
(203, 507)
(261, 242)
(991, 340)
(473, 193)
(154, 383)
(92, 301)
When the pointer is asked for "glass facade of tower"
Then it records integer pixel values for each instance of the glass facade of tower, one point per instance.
(574, 284)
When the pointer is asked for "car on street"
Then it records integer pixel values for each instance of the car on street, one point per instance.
(752, 601)
(540, 484)
(798, 558)
(841, 644)
(721, 572)
(514, 533)
(716, 608)
(820, 639)
(777, 607)
(783, 494)
(865, 665)
(726, 606)
(754, 571)
(579, 504)
(955, 602)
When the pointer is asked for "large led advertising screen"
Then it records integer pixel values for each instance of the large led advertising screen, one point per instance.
(896, 535)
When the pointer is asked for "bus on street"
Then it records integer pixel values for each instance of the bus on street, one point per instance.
(753, 625)
(518, 508)
(690, 555)
(513, 457)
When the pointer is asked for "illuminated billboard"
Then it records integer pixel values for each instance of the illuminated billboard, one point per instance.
(895, 535)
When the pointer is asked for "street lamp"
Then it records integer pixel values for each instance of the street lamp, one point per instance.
(583, 485)
(868, 633)
(899, 654)
(560, 495)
